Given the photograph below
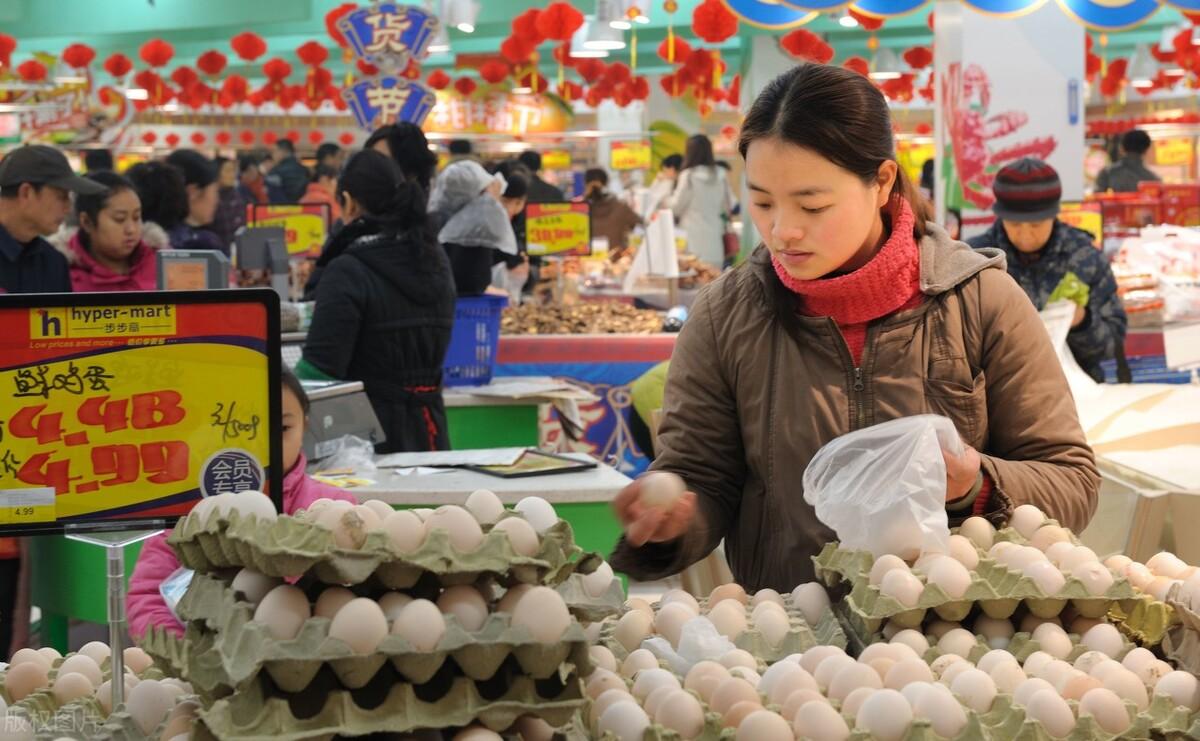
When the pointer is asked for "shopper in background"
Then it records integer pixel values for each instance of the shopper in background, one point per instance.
(163, 196)
(406, 144)
(252, 187)
(96, 160)
(108, 252)
(323, 190)
(385, 307)
(1124, 175)
(287, 175)
(856, 311)
(539, 190)
(703, 201)
(194, 231)
(231, 206)
(510, 273)
(35, 186)
(612, 218)
(460, 149)
(331, 155)
(475, 230)
(663, 186)
(1051, 260)
(145, 606)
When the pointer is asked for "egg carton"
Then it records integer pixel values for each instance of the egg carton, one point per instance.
(258, 713)
(1182, 646)
(225, 647)
(291, 547)
(42, 702)
(585, 607)
(1144, 619)
(1010, 721)
(999, 591)
(83, 719)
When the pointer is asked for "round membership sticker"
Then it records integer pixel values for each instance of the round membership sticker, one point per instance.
(231, 470)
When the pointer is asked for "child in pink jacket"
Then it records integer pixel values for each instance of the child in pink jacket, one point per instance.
(145, 604)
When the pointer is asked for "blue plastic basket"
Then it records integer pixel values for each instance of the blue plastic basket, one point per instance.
(471, 357)
(1147, 369)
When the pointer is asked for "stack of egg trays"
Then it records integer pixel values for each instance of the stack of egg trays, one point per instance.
(83, 718)
(800, 636)
(999, 591)
(1182, 642)
(1144, 619)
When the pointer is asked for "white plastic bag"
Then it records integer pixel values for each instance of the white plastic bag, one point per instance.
(698, 641)
(883, 488)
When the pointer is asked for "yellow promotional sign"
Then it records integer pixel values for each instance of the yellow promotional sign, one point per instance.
(1085, 216)
(556, 159)
(559, 229)
(496, 113)
(305, 226)
(632, 155)
(1175, 151)
(112, 411)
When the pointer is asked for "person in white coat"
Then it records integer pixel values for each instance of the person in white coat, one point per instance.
(703, 201)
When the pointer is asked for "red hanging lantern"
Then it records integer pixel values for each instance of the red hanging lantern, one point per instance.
(1093, 66)
(682, 50)
(923, 129)
(713, 22)
(570, 91)
(312, 53)
(699, 64)
(859, 65)
(346, 138)
(562, 55)
(156, 52)
(236, 88)
(622, 96)
(516, 50)
(184, 77)
(172, 140)
(248, 46)
(315, 137)
(317, 79)
(118, 65)
(533, 81)
(223, 138)
(673, 85)
(247, 137)
(733, 94)
(438, 80)
(293, 136)
(8, 45)
(639, 88)
(78, 55)
(805, 45)
(276, 69)
(367, 69)
(211, 62)
(919, 57)
(494, 71)
(868, 22)
(149, 137)
(332, 18)
(269, 138)
(198, 138)
(618, 73)
(525, 26)
(465, 86)
(412, 71)
(590, 69)
(593, 97)
(559, 21)
(31, 71)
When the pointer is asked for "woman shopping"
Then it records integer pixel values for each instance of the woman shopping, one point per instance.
(703, 202)
(853, 312)
(473, 226)
(385, 307)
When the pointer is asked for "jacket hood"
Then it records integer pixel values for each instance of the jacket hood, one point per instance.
(945, 263)
(409, 261)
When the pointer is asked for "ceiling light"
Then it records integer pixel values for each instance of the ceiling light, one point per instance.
(1143, 67)
(440, 42)
(848, 21)
(71, 80)
(885, 65)
(603, 37)
(579, 49)
(461, 14)
(137, 93)
(611, 13)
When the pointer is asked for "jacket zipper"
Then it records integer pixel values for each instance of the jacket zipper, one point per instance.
(859, 385)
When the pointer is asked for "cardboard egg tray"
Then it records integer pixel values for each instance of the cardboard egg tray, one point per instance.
(1144, 619)
(82, 719)
(292, 547)
(1181, 643)
(998, 590)
(585, 607)
(259, 712)
(224, 647)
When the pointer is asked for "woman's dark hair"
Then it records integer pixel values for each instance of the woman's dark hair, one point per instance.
(517, 176)
(673, 161)
(596, 175)
(1136, 142)
(324, 171)
(381, 189)
(292, 383)
(92, 205)
(699, 152)
(197, 169)
(838, 114)
(410, 150)
(163, 193)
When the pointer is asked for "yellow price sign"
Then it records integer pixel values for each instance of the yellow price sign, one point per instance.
(1175, 151)
(630, 155)
(556, 159)
(305, 226)
(560, 229)
(1085, 216)
(27, 506)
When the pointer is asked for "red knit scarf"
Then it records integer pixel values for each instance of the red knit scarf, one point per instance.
(890, 282)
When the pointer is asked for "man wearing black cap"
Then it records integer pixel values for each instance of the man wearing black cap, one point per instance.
(35, 183)
(1054, 261)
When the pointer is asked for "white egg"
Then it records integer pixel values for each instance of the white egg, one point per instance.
(763, 725)
(1046, 707)
(420, 624)
(729, 618)
(679, 596)
(522, 537)
(1182, 688)
(251, 503)
(660, 489)
(1107, 709)
(485, 506)
(1007, 677)
(1078, 685)
(942, 710)
(404, 530)
(749, 675)
(98, 651)
(1127, 685)
(738, 657)
(1026, 690)
(1046, 576)
(704, 677)
(148, 703)
(1048, 535)
(459, 525)
(1104, 638)
(1057, 672)
(886, 715)
(72, 686)
(1078, 556)
(283, 611)
(773, 626)
(1089, 660)
(1026, 519)
(360, 624)
(1118, 563)
(1139, 576)
(1096, 578)
(605, 699)
(813, 657)
(347, 524)
(829, 669)
(633, 628)
(1160, 587)
(851, 678)
(957, 641)
(682, 713)
(799, 699)
(392, 603)
(331, 600)
(249, 585)
(914, 640)
(81, 664)
(1053, 640)
(951, 576)
(625, 720)
(602, 658)
(601, 682)
(884, 564)
(636, 661)
(943, 662)
(784, 687)
(596, 584)
(1166, 564)
(906, 672)
(1030, 623)
(538, 512)
(976, 689)
(670, 620)
(993, 659)
(477, 733)
(512, 596)
(730, 692)
(543, 613)
(812, 600)
(648, 680)
(820, 722)
(902, 586)
(381, 509)
(979, 531)
(467, 606)
(964, 551)
(1058, 551)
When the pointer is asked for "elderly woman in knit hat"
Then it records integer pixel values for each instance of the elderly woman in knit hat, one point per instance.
(473, 226)
(1052, 261)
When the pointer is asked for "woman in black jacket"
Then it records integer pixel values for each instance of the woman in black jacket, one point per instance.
(385, 307)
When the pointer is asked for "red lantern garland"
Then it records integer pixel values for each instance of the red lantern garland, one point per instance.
(919, 57)
(223, 138)
(570, 91)
(465, 86)
(211, 62)
(247, 137)
(248, 46)
(525, 26)
(859, 65)
(293, 136)
(235, 88)
(269, 138)
(494, 71)
(172, 140)
(118, 65)
(198, 138)
(78, 55)
(559, 21)
(156, 52)
(438, 80)
(516, 50)
(713, 22)
(346, 138)
(315, 137)
(184, 77)
(805, 45)
(682, 50)
(332, 18)
(534, 82)
(590, 69)
(8, 45)
(276, 69)
(733, 94)
(149, 137)
(312, 53)
(31, 71)
(639, 88)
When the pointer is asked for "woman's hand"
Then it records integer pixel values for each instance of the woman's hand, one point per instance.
(644, 524)
(961, 472)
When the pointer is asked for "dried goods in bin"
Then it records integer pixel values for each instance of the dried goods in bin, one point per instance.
(583, 318)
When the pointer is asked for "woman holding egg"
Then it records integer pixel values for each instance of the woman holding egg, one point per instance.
(855, 311)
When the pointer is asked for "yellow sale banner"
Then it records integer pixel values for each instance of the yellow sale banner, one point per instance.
(633, 155)
(558, 229)
(113, 410)
(305, 226)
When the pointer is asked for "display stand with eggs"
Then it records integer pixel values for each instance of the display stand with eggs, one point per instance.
(452, 618)
(48, 695)
(1150, 617)
(1182, 642)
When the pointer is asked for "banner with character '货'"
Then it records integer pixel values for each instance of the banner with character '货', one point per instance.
(125, 409)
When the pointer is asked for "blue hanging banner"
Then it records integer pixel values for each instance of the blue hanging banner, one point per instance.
(1110, 15)
(888, 8)
(388, 99)
(1005, 8)
(389, 34)
(775, 15)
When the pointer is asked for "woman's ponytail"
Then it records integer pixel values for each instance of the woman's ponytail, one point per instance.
(380, 188)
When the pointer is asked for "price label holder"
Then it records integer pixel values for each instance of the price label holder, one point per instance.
(26, 506)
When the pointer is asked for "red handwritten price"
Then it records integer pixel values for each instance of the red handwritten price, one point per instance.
(141, 411)
(160, 463)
